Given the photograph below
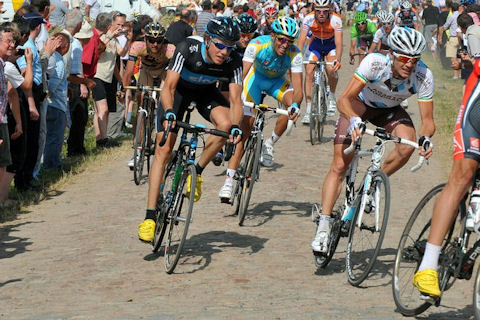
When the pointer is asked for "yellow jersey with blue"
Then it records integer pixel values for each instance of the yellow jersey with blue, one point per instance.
(266, 62)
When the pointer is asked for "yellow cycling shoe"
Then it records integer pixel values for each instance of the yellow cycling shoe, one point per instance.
(426, 282)
(198, 187)
(146, 230)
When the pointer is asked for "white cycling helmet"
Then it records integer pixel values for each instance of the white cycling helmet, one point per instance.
(405, 5)
(406, 41)
(321, 3)
(385, 17)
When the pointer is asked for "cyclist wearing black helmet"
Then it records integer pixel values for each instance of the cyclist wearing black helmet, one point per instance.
(196, 66)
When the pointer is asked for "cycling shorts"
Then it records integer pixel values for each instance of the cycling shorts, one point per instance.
(319, 48)
(466, 138)
(207, 98)
(387, 118)
(254, 84)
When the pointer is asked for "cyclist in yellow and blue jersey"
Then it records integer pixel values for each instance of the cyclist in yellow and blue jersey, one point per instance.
(265, 64)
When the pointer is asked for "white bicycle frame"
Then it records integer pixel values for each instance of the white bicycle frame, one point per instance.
(375, 164)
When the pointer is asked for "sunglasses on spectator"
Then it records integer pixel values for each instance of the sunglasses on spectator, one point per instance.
(406, 59)
(247, 35)
(155, 40)
(322, 11)
(283, 39)
(221, 46)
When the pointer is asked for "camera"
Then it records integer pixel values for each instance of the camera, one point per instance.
(461, 52)
(20, 51)
(122, 31)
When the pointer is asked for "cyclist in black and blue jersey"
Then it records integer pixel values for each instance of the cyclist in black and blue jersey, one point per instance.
(192, 75)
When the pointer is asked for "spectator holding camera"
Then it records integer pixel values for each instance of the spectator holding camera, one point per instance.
(470, 48)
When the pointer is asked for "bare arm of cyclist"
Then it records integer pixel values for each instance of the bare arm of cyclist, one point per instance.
(428, 125)
(246, 67)
(345, 106)
(127, 75)
(236, 105)
(302, 38)
(168, 92)
(339, 48)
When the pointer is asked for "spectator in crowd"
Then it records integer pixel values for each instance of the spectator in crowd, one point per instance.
(181, 29)
(452, 43)
(16, 115)
(92, 9)
(42, 7)
(7, 43)
(204, 17)
(470, 48)
(104, 93)
(229, 10)
(35, 97)
(57, 15)
(218, 9)
(78, 85)
(57, 104)
(430, 21)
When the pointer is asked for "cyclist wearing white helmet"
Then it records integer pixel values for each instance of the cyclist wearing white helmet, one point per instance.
(374, 93)
(406, 16)
(266, 62)
(327, 41)
(380, 39)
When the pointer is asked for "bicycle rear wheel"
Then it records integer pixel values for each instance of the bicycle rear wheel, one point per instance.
(364, 242)
(409, 256)
(251, 174)
(179, 217)
(237, 191)
(164, 202)
(139, 144)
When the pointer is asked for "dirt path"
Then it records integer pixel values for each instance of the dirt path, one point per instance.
(77, 256)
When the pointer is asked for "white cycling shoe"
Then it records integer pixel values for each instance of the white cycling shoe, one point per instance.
(306, 118)
(320, 242)
(225, 193)
(266, 159)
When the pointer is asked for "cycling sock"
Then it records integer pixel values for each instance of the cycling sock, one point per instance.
(324, 222)
(151, 214)
(199, 168)
(430, 258)
(231, 173)
(309, 107)
(274, 138)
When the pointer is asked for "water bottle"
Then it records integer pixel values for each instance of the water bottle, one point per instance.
(473, 212)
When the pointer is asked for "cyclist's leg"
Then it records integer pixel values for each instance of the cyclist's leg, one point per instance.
(333, 180)
(401, 125)
(332, 77)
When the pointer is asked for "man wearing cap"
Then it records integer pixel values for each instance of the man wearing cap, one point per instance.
(33, 124)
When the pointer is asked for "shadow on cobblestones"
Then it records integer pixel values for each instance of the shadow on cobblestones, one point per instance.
(9, 245)
(465, 313)
(199, 249)
(263, 212)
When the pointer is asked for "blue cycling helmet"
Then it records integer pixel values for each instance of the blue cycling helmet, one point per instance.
(467, 2)
(286, 26)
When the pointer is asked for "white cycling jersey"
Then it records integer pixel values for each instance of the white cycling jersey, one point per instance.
(382, 36)
(383, 91)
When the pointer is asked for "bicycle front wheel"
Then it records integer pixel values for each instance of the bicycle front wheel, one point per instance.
(139, 144)
(251, 175)
(316, 125)
(179, 217)
(409, 256)
(365, 241)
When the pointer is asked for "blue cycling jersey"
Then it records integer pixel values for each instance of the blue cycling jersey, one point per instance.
(266, 62)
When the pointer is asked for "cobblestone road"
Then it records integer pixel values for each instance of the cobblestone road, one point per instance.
(77, 256)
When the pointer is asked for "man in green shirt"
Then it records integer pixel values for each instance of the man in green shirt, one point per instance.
(362, 33)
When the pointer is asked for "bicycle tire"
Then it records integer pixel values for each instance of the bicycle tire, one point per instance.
(251, 175)
(476, 296)
(358, 262)
(410, 252)
(150, 131)
(179, 217)
(322, 260)
(163, 202)
(139, 148)
(237, 191)
(314, 116)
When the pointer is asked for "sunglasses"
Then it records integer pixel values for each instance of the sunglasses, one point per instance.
(387, 24)
(155, 40)
(221, 46)
(283, 40)
(406, 59)
(247, 35)
(324, 11)
(362, 23)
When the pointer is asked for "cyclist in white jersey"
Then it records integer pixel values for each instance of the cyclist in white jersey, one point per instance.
(380, 39)
(374, 93)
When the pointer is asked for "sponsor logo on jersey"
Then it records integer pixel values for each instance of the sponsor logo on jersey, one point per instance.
(475, 143)
(193, 48)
